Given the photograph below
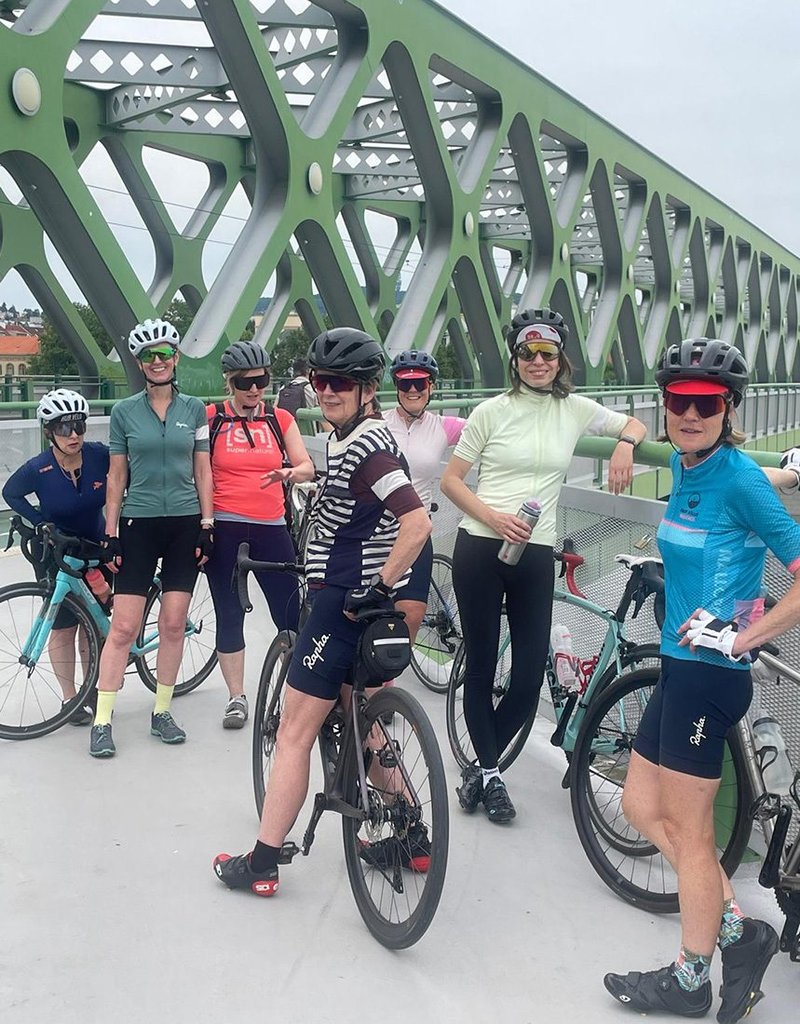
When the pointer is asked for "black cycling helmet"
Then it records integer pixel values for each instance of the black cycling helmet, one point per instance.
(244, 355)
(532, 317)
(705, 359)
(412, 359)
(349, 352)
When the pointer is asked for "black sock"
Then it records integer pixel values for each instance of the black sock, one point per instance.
(263, 857)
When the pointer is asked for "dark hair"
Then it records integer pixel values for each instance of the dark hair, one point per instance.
(300, 367)
(562, 385)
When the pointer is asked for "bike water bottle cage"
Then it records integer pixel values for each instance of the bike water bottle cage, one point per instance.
(384, 649)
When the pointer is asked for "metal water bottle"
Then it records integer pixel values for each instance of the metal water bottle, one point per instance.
(530, 512)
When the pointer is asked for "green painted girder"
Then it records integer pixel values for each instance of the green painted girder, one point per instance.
(496, 185)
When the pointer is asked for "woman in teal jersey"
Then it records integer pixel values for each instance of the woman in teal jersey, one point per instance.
(721, 518)
(159, 507)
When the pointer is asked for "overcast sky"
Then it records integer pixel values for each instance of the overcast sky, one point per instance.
(708, 85)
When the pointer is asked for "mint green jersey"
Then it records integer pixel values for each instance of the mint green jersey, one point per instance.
(160, 454)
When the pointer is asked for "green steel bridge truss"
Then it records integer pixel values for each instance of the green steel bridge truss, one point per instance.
(399, 172)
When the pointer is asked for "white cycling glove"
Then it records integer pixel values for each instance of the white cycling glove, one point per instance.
(791, 460)
(715, 634)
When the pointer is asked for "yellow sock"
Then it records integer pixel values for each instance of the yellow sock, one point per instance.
(105, 707)
(163, 698)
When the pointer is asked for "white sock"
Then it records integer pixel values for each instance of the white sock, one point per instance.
(490, 773)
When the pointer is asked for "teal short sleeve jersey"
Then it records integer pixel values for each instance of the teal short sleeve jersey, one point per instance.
(160, 454)
(722, 516)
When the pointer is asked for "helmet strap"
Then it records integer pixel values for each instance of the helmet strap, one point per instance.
(414, 415)
(347, 428)
(528, 387)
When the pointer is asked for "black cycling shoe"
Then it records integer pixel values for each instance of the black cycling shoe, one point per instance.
(744, 964)
(236, 873)
(82, 715)
(497, 802)
(412, 852)
(658, 991)
(470, 792)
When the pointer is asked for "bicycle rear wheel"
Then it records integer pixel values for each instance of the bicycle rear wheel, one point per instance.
(268, 710)
(199, 645)
(31, 695)
(439, 635)
(397, 856)
(640, 874)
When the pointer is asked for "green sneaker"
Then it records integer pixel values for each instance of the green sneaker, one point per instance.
(101, 743)
(166, 728)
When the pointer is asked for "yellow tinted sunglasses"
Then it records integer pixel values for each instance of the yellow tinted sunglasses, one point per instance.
(531, 349)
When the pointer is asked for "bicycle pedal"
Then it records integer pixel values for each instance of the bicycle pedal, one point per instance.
(288, 852)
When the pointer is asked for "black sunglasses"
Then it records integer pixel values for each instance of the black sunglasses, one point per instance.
(63, 428)
(412, 383)
(706, 405)
(337, 383)
(245, 383)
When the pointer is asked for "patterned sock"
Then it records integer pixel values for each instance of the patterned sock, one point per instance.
(163, 698)
(691, 969)
(105, 707)
(490, 773)
(732, 926)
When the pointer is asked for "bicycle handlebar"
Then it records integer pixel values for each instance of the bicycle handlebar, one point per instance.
(245, 565)
(570, 561)
(61, 543)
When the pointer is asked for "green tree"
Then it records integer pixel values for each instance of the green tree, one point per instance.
(53, 358)
(449, 366)
(249, 331)
(291, 345)
(179, 315)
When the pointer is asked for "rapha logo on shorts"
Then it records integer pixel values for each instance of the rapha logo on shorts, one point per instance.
(310, 660)
(699, 735)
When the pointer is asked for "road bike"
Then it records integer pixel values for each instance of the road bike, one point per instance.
(383, 774)
(439, 635)
(635, 869)
(36, 666)
(616, 654)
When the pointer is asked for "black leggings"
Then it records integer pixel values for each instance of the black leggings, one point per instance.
(482, 582)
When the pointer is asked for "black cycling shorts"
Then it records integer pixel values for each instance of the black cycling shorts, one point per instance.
(169, 539)
(419, 581)
(326, 646)
(690, 713)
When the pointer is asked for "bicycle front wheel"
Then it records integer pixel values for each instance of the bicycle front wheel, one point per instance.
(199, 645)
(396, 855)
(32, 691)
(268, 710)
(624, 859)
(439, 635)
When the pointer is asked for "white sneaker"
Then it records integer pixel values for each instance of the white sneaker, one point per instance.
(236, 713)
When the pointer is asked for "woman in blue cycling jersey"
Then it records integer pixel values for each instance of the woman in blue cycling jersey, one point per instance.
(721, 518)
(69, 481)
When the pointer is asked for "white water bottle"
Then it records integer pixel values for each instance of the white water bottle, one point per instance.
(530, 511)
(564, 660)
(776, 768)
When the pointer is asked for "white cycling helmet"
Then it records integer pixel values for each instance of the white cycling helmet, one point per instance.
(150, 333)
(61, 402)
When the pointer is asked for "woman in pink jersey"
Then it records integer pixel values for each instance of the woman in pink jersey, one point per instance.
(423, 438)
(255, 449)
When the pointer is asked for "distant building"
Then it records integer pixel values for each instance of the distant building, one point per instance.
(18, 344)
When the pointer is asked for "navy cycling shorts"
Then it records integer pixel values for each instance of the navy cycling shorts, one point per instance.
(691, 711)
(419, 582)
(326, 647)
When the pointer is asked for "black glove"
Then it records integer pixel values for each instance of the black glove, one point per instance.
(205, 544)
(112, 549)
(376, 597)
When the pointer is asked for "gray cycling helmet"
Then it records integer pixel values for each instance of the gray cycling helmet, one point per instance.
(349, 352)
(61, 402)
(705, 359)
(412, 359)
(529, 319)
(150, 333)
(244, 355)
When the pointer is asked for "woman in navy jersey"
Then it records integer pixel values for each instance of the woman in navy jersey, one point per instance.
(69, 482)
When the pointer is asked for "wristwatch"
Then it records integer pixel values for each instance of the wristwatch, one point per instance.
(377, 583)
(628, 440)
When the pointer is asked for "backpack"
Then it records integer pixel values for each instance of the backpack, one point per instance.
(292, 396)
(221, 418)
